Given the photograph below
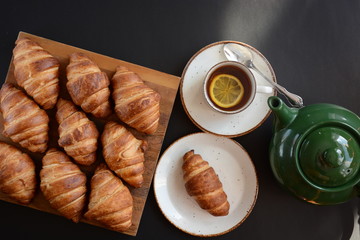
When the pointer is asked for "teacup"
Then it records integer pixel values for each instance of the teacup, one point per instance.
(243, 81)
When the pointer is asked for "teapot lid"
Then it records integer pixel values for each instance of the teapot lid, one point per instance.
(329, 156)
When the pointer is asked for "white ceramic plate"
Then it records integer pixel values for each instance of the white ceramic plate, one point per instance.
(198, 110)
(236, 172)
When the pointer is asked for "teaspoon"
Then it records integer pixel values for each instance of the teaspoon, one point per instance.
(239, 53)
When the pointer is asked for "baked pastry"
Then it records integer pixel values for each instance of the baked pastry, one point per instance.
(24, 121)
(37, 71)
(77, 134)
(123, 153)
(202, 183)
(63, 184)
(136, 104)
(88, 86)
(17, 174)
(110, 201)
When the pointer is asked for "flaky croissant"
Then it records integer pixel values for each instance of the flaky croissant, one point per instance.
(110, 202)
(37, 71)
(88, 86)
(202, 183)
(136, 104)
(17, 174)
(24, 121)
(63, 184)
(77, 134)
(123, 153)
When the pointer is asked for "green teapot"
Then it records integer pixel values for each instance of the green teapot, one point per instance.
(315, 151)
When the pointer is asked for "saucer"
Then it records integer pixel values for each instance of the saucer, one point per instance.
(235, 170)
(206, 118)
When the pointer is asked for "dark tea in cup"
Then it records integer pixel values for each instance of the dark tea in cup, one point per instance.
(229, 87)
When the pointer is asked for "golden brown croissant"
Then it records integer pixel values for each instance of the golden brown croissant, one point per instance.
(63, 184)
(135, 103)
(88, 86)
(17, 174)
(77, 134)
(202, 183)
(110, 202)
(123, 153)
(24, 121)
(37, 72)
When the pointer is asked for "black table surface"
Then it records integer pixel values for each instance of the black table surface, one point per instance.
(313, 47)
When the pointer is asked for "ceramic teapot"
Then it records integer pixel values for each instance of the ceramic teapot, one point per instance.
(315, 151)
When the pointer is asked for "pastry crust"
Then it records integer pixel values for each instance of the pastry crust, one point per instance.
(202, 183)
(123, 153)
(88, 86)
(17, 174)
(63, 184)
(24, 121)
(37, 71)
(77, 134)
(136, 104)
(110, 202)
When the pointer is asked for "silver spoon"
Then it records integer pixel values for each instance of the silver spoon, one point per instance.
(239, 53)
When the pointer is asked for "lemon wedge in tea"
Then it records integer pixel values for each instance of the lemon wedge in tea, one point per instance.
(226, 90)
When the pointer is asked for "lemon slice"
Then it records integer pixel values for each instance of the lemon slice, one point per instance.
(226, 90)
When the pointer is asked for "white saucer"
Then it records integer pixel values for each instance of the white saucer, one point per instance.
(235, 169)
(198, 110)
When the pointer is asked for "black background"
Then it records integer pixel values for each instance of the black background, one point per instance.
(313, 46)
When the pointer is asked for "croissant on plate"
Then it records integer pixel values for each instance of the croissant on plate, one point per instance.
(110, 202)
(63, 184)
(202, 183)
(37, 71)
(88, 86)
(123, 153)
(136, 104)
(24, 121)
(77, 134)
(17, 174)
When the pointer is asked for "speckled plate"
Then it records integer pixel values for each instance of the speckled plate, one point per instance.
(198, 110)
(235, 169)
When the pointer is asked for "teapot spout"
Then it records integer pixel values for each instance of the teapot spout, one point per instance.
(284, 115)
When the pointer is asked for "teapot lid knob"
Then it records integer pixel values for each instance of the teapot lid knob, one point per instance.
(329, 156)
(332, 157)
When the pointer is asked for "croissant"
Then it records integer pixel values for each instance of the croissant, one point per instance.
(202, 183)
(63, 184)
(135, 103)
(123, 153)
(110, 202)
(37, 71)
(77, 134)
(24, 121)
(17, 174)
(88, 86)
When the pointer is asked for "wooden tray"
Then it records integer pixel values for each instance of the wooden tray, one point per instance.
(167, 85)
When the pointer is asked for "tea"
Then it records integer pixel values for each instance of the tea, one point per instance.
(229, 87)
